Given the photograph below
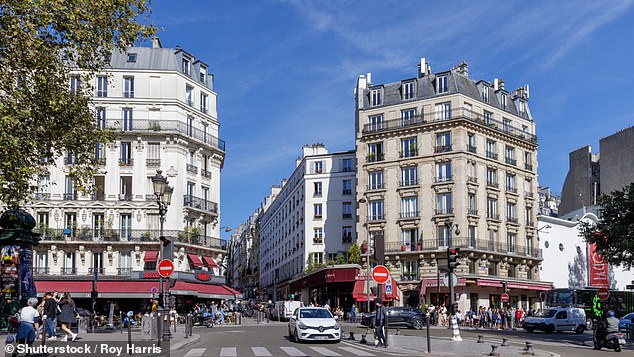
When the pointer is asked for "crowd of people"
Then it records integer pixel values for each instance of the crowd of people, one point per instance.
(217, 312)
(483, 317)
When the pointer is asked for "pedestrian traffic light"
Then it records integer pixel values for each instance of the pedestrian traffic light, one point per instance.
(452, 258)
(505, 287)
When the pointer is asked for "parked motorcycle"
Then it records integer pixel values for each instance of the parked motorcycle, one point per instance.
(204, 319)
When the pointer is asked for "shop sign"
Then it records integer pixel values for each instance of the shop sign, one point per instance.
(598, 269)
(203, 276)
(151, 275)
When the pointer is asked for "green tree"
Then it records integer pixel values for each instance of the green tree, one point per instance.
(354, 254)
(42, 43)
(614, 234)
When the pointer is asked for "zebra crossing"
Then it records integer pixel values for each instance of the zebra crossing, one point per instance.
(304, 351)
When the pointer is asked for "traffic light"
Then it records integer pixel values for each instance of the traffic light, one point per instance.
(505, 288)
(452, 258)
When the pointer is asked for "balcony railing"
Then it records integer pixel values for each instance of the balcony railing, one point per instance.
(465, 243)
(395, 247)
(492, 184)
(511, 189)
(472, 149)
(439, 179)
(412, 214)
(70, 196)
(98, 196)
(42, 196)
(318, 240)
(472, 212)
(125, 197)
(128, 94)
(528, 167)
(409, 277)
(124, 271)
(512, 220)
(472, 179)
(408, 183)
(127, 235)
(443, 211)
(492, 155)
(69, 271)
(376, 217)
(454, 114)
(200, 203)
(375, 157)
(510, 161)
(376, 186)
(126, 162)
(346, 239)
(99, 271)
(153, 162)
(493, 216)
(191, 168)
(205, 173)
(442, 148)
(169, 126)
(40, 270)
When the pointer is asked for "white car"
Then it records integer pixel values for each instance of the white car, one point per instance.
(557, 319)
(313, 324)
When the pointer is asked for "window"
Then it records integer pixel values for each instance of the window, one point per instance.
(443, 111)
(529, 246)
(317, 210)
(318, 258)
(443, 142)
(468, 109)
(126, 226)
(102, 86)
(126, 153)
(346, 165)
(347, 187)
(509, 155)
(443, 203)
(409, 207)
(511, 212)
(409, 176)
(154, 154)
(529, 216)
(441, 84)
(128, 87)
(75, 84)
(203, 102)
(491, 150)
(186, 66)
(511, 184)
(511, 241)
(485, 93)
(410, 238)
(375, 210)
(376, 97)
(125, 263)
(443, 171)
(528, 160)
(492, 208)
(346, 234)
(488, 118)
(522, 107)
(472, 235)
(317, 185)
(318, 235)
(472, 204)
(375, 180)
(318, 167)
(471, 172)
(190, 125)
(375, 152)
(98, 225)
(493, 238)
(528, 187)
(507, 125)
(127, 119)
(42, 220)
(346, 208)
(131, 57)
(492, 177)
(101, 118)
(125, 188)
(408, 117)
(203, 75)
(443, 234)
(189, 95)
(503, 102)
(409, 90)
(409, 147)
(70, 189)
(410, 270)
(471, 142)
(375, 122)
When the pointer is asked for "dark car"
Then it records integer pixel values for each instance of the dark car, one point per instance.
(399, 317)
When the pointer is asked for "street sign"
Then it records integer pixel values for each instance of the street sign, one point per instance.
(603, 293)
(629, 287)
(454, 279)
(504, 297)
(388, 289)
(380, 274)
(165, 268)
(154, 290)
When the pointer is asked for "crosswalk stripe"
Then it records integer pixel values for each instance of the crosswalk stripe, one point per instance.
(356, 351)
(260, 351)
(195, 352)
(228, 352)
(325, 352)
(292, 351)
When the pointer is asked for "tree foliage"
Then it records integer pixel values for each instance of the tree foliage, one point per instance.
(577, 271)
(41, 43)
(614, 234)
(354, 254)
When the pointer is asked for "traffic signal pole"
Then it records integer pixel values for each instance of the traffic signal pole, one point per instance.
(452, 262)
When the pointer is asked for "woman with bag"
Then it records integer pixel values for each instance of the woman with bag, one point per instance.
(68, 316)
(29, 321)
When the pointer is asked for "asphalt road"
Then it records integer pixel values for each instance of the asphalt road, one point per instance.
(272, 340)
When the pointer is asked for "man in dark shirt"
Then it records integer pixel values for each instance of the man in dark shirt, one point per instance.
(50, 310)
(380, 318)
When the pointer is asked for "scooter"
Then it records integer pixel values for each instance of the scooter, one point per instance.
(204, 319)
(613, 340)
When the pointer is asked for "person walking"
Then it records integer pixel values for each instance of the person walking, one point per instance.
(68, 316)
(50, 310)
(380, 318)
(353, 313)
(29, 319)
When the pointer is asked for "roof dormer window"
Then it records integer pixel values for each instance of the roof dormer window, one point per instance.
(131, 57)
(203, 75)
(485, 93)
(503, 101)
(409, 90)
(441, 85)
(376, 96)
(186, 67)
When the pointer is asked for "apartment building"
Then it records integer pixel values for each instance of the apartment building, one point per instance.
(241, 253)
(161, 105)
(449, 161)
(309, 223)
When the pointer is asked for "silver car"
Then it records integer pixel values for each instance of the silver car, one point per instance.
(313, 324)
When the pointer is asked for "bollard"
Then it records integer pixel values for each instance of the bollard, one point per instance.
(363, 340)
(398, 331)
(129, 336)
(504, 342)
(120, 321)
(351, 337)
(159, 329)
(44, 330)
(494, 351)
(480, 340)
(428, 337)
(529, 349)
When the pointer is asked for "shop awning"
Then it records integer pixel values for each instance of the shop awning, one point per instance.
(105, 289)
(359, 292)
(193, 258)
(529, 286)
(211, 263)
(208, 291)
(150, 256)
(235, 292)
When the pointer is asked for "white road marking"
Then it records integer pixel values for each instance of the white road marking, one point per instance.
(292, 351)
(260, 351)
(356, 352)
(228, 352)
(325, 352)
(195, 352)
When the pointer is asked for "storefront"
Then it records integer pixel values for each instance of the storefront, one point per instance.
(361, 288)
(329, 285)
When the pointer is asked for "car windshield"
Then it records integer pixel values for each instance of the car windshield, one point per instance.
(314, 314)
(628, 316)
(546, 313)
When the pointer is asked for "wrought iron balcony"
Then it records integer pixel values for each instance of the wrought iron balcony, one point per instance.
(491, 155)
(99, 271)
(200, 204)
(472, 149)
(318, 240)
(511, 161)
(464, 243)
(441, 179)
(42, 196)
(511, 189)
(124, 271)
(493, 216)
(375, 157)
(72, 196)
(405, 183)
(443, 211)
(493, 184)
(396, 247)
(40, 270)
(513, 220)
(126, 161)
(472, 212)
(376, 186)
(408, 215)
(472, 179)
(376, 217)
(69, 271)
(442, 148)
(205, 173)
(191, 168)
(528, 167)
(153, 162)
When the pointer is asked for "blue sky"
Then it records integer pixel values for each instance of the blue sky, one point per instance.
(285, 71)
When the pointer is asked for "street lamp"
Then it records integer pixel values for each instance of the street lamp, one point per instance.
(163, 193)
(367, 258)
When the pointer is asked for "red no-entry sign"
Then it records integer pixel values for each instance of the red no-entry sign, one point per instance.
(504, 297)
(380, 274)
(165, 268)
(603, 293)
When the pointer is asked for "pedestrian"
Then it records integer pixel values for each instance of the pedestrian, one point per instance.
(443, 315)
(503, 318)
(29, 323)
(68, 316)
(380, 318)
(50, 311)
(353, 313)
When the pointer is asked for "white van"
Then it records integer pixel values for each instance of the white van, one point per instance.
(557, 319)
(284, 309)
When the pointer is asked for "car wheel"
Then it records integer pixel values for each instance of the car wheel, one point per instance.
(580, 329)
(417, 324)
(617, 348)
(290, 335)
(550, 329)
(296, 337)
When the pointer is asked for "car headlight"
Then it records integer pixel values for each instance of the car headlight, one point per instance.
(337, 327)
(301, 325)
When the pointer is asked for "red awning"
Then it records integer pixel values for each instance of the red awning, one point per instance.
(150, 256)
(193, 258)
(235, 292)
(210, 262)
(106, 289)
(202, 290)
(77, 288)
(529, 286)
(494, 283)
(359, 292)
(393, 295)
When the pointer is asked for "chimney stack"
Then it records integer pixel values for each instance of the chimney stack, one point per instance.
(423, 68)
(462, 68)
(156, 42)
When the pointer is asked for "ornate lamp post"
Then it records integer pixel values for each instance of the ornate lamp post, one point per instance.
(163, 193)
(367, 258)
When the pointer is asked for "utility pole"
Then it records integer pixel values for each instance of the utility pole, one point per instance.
(452, 262)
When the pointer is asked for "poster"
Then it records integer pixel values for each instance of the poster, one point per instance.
(598, 269)
(9, 281)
